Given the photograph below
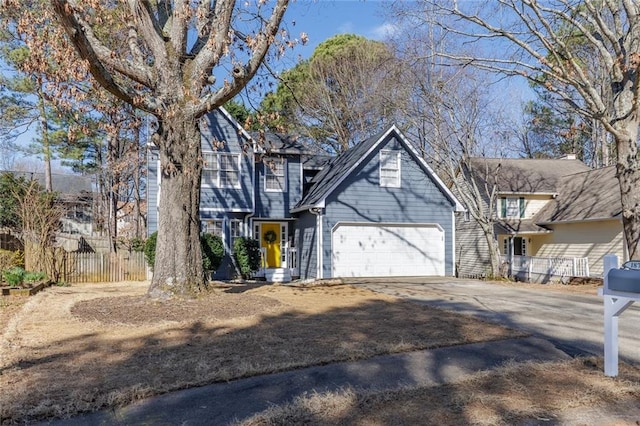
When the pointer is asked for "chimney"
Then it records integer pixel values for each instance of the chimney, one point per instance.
(568, 157)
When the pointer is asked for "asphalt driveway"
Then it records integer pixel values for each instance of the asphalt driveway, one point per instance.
(574, 323)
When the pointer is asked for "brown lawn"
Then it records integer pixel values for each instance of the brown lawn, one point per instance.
(75, 349)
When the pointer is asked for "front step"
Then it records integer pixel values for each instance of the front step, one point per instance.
(277, 275)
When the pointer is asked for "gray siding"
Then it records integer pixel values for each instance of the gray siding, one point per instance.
(472, 250)
(279, 204)
(152, 190)
(220, 135)
(305, 237)
(360, 198)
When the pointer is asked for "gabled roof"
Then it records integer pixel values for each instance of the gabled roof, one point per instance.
(337, 170)
(590, 195)
(526, 176)
(60, 182)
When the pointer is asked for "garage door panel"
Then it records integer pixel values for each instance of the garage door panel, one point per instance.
(387, 250)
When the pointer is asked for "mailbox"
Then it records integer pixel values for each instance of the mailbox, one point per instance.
(626, 279)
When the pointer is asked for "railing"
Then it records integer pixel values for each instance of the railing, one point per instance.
(549, 266)
(290, 261)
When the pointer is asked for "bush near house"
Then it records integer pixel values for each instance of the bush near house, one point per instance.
(212, 251)
(150, 249)
(247, 254)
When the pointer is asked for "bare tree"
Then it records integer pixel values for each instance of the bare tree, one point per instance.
(154, 64)
(451, 116)
(40, 219)
(555, 43)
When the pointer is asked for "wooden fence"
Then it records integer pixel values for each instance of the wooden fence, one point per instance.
(103, 267)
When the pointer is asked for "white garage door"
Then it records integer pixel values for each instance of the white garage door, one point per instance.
(386, 250)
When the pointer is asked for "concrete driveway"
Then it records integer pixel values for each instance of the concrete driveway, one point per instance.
(574, 323)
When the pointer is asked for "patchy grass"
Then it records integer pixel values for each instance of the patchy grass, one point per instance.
(9, 306)
(570, 393)
(83, 348)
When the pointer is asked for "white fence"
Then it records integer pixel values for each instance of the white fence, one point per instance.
(545, 268)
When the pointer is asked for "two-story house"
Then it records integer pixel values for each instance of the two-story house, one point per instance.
(376, 210)
(547, 209)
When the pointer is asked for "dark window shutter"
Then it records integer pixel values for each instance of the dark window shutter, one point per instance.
(521, 207)
(503, 207)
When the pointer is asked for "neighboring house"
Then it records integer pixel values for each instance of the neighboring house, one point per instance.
(75, 195)
(546, 208)
(376, 210)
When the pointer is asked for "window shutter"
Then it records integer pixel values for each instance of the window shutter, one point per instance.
(503, 207)
(521, 207)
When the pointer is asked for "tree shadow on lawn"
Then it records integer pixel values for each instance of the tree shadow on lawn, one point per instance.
(122, 363)
(99, 365)
(567, 392)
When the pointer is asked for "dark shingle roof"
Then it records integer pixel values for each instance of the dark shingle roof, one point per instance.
(517, 175)
(590, 195)
(62, 183)
(339, 167)
(334, 171)
(276, 143)
(522, 226)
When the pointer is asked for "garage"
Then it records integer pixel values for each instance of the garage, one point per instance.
(381, 250)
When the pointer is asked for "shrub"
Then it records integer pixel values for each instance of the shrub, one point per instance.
(150, 249)
(246, 251)
(137, 244)
(11, 259)
(34, 277)
(14, 276)
(212, 251)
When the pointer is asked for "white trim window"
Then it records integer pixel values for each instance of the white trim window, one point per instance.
(235, 231)
(275, 174)
(512, 208)
(213, 227)
(221, 170)
(390, 168)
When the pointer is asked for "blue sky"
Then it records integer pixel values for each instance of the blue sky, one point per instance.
(321, 19)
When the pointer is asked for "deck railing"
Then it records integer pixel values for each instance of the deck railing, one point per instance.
(560, 267)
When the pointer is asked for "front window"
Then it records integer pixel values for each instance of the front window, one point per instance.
(236, 231)
(213, 227)
(221, 170)
(512, 208)
(390, 168)
(274, 174)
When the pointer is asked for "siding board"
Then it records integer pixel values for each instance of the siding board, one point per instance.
(360, 198)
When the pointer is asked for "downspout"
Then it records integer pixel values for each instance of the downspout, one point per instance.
(319, 264)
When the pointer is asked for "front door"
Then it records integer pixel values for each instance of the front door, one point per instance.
(270, 240)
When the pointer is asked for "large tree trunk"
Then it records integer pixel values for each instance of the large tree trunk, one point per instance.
(492, 246)
(628, 172)
(178, 261)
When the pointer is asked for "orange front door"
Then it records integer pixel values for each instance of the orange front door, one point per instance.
(270, 239)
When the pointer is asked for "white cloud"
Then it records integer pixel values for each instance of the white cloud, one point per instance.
(346, 28)
(383, 31)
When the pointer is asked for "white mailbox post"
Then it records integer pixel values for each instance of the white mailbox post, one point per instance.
(621, 289)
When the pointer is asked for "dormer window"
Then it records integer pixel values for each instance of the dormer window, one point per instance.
(390, 168)
(275, 174)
